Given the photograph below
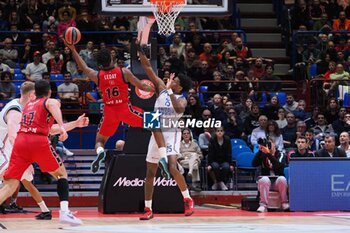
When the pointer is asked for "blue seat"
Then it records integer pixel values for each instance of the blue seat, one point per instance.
(17, 71)
(281, 96)
(286, 173)
(57, 77)
(263, 100)
(18, 76)
(237, 150)
(346, 102)
(95, 95)
(244, 160)
(202, 89)
(238, 142)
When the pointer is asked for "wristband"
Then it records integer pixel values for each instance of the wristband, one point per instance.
(170, 92)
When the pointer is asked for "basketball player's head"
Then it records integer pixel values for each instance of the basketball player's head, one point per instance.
(42, 88)
(27, 91)
(103, 58)
(182, 83)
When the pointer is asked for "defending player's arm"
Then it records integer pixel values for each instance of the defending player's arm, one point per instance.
(13, 119)
(148, 68)
(178, 104)
(81, 122)
(129, 77)
(54, 108)
(90, 73)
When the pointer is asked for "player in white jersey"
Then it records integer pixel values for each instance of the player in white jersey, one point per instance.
(171, 105)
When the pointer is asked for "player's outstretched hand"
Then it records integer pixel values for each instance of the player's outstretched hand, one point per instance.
(170, 81)
(71, 47)
(82, 121)
(63, 134)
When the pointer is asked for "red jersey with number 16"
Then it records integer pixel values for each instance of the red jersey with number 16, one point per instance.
(36, 119)
(113, 86)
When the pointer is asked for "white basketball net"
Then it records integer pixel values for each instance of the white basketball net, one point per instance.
(165, 15)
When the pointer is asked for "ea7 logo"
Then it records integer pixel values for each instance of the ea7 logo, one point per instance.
(340, 183)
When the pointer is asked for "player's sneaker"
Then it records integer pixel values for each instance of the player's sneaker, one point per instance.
(69, 218)
(147, 214)
(96, 164)
(14, 208)
(188, 206)
(44, 216)
(164, 169)
(2, 209)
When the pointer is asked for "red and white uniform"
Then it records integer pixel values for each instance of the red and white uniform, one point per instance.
(117, 107)
(5, 145)
(32, 143)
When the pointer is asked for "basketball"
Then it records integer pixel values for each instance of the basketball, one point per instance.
(72, 35)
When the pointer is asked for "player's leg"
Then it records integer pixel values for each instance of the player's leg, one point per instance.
(180, 180)
(13, 207)
(10, 186)
(108, 125)
(150, 174)
(34, 192)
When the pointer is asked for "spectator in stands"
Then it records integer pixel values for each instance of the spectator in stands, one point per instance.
(190, 158)
(35, 69)
(322, 128)
(4, 25)
(103, 23)
(67, 7)
(50, 53)
(203, 73)
(3, 67)
(219, 159)
(165, 68)
(226, 62)
(330, 150)
(339, 74)
(301, 128)
(259, 132)
(291, 105)
(210, 57)
(311, 122)
(69, 96)
(300, 15)
(190, 60)
(344, 140)
(217, 109)
(300, 112)
(289, 132)
(204, 139)
(230, 73)
(9, 53)
(342, 123)
(241, 50)
(315, 10)
(252, 121)
(177, 65)
(302, 149)
(331, 50)
(314, 144)
(332, 110)
(50, 24)
(86, 54)
(311, 55)
(233, 124)
(26, 52)
(67, 22)
(30, 13)
(217, 86)
(258, 68)
(55, 64)
(244, 108)
(272, 164)
(53, 85)
(84, 23)
(271, 109)
(194, 107)
(239, 86)
(266, 85)
(281, 122)
(322, 43)
(273, 133)
(7, 88)
(162, 57)
(342, 23)
(341, 45)
(178, 45)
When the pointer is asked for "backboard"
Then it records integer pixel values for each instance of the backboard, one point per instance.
(143, 7)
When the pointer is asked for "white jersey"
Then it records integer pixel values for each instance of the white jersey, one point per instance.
(5, 145)
(172, 136)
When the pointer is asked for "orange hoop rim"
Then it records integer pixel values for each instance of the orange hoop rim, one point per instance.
(165, 6)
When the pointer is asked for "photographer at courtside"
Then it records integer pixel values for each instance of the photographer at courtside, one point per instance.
(272, 173)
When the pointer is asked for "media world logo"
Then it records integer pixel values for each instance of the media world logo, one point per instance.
(158, 181)
(153, 120)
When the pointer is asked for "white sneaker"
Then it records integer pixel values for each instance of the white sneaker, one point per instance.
(215, 186)
(285, 206)
(262, 209)
(223, 187)
(69, 218)
(67, 152)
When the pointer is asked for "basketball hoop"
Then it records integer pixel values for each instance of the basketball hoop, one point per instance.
(166, 12)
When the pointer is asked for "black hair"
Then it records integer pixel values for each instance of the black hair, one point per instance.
(42, 88)
(4, 74)
(103, 58)
(185, 82)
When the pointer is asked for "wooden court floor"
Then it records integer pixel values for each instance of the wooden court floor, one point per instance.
(204, 220)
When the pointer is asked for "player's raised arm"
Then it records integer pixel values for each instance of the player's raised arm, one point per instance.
(129, 77)
(13, 118)
(90, 73)
(81, 122)
(148, 68)
(54, 108)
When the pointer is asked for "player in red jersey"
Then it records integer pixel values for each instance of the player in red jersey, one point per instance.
(113, 84)
(32, 145)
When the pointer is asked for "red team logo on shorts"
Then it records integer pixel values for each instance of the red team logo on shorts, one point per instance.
(144, 94)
